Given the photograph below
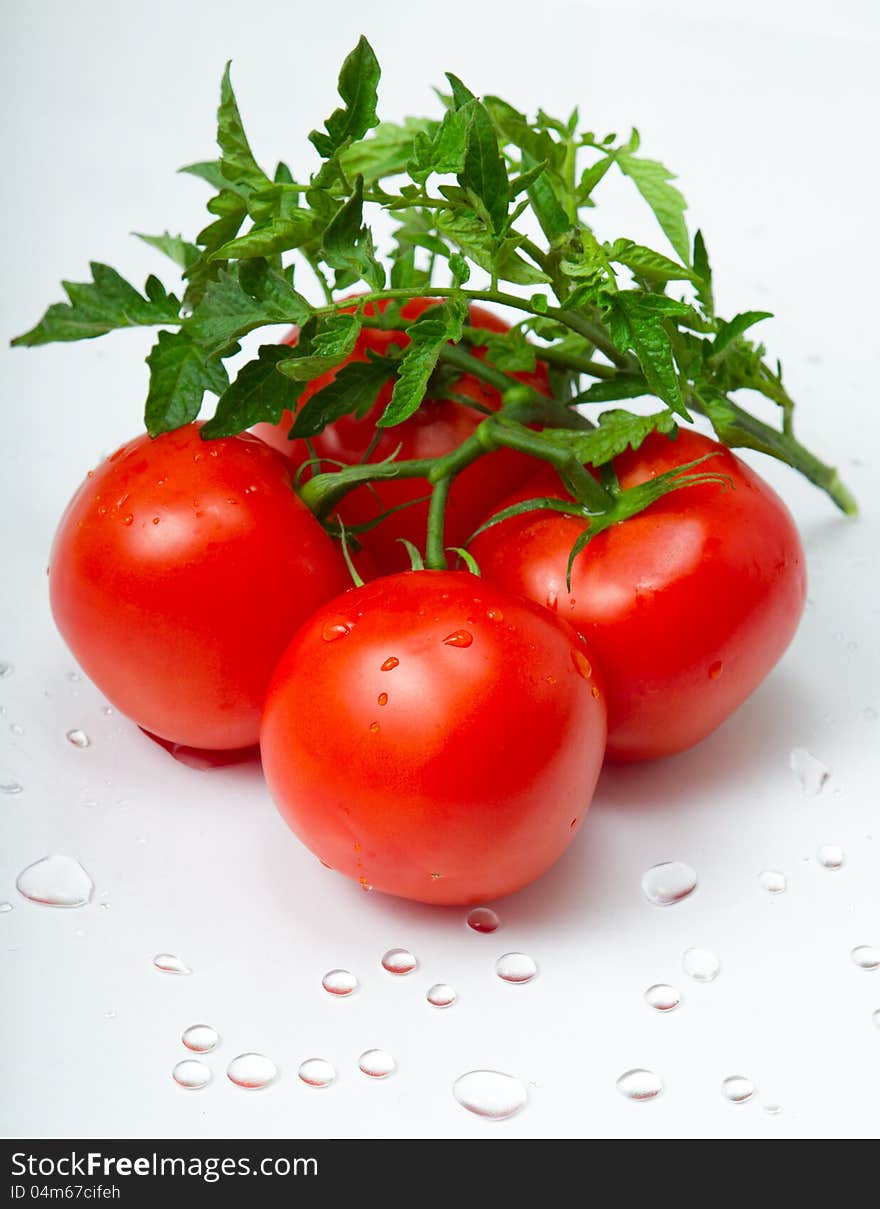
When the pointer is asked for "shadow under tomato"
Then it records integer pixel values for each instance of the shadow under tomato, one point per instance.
(204, 760)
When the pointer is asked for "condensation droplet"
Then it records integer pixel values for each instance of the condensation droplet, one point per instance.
(382, 699)
(490, 1094)
(377, 1063)
(701, 965)
(6, 670)
(737, 1089)
(191, 1074)
(773, 881)
(483, 919)
(127, 519)
(10, 786)
(640, 1085)
(494, 614)
(16, 728)
(516, 968)
(458, 638)
(772, 1110)
(399, 961)
(662, 997)
(107, 711)
(167, 963)
(441, 995)
(390, 664)
(200, 1038)
(374, 728)
(582, 665)
(830, 856)
(56, 881)
(339, 982)
(78, 738)
(317, 1072)
(866, 957)
(668, 883)
(876, 1018)
(4, 907)
(811, 772)
(715, 669)
(334, 630)
(252, 1071)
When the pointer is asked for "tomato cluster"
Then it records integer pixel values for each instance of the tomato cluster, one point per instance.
(431, 734)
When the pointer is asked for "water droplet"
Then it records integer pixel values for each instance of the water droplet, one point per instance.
(639, 1084)
(16, 728)
(811, 772)
(582, 665)
(595, 691)
(458, 638)
(772, 1110)
(830, 856)
(127, 519)
(715, 669)
(494, 614)
(339, 982)
(110, 1014)
(10, 786)
(662, 997)
(78, 738)
(107, 711)
(389, 665)
(515, 967)
(668, 883)
(399, 961)
(552, 602)
(377, 1063)
(374, 728)
(382, 699)
(74, 677)
(876, 1018)
(169, 964)
(334, 630)
(56, 881)
(191, 1074)
(4, 907)
(483, 919)
(773, 881)
(252, 1071)
(317, 1072)
(701, 965)
(866, 957)
(6, 670)
(737, 1089)
(490, 1094)
(441, 995)
(200, 1038)
(155, 520)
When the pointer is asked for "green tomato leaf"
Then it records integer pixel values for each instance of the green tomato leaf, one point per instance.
(732, 328)
(242, 298)
(636, 323)
(174, 246)
(348, 245)
(483, 172)
(179, 377)
(258, 395)
(618, 431)
(358, 88)
(621, 386)
(652, 179)
(509, 351)
(703, 274)
(646, 263)
(322, 345)
(427, 337)
(388, 151)
(237, 163)
(353, 391)
(271, 238)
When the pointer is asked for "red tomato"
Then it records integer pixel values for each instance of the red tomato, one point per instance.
(434, 737)
(179, 572)
(687, 606)
(439, 426)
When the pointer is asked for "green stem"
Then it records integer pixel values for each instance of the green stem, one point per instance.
(435, 551)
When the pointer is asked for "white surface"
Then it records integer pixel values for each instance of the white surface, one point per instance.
(767, 117)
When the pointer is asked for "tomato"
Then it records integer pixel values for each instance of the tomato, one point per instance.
(178, 574)
(439, 426)
(433, 737)
(687, 605)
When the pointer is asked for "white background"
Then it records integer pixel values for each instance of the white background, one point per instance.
(767, 111)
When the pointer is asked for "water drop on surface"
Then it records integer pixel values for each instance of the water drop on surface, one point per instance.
(668, 883)
(377, 1063)
(339, 982)
(459, 638)
(876, 1018)
(10, 786)
(16, 728)
(811, 772)
(441, 995)
(334, 630)
(382, 699)
(701, 965)
(715, 669)
(4, 907)
(6, 670)
(191, 1074)
(640, 1085)
(516, 968)
(772, 1110)
(167, 963)
(866, 957)
(737, 1089)
(399, 961)
(483, 919)
(78, 738)
(200, 1038)
(252, 1071)
(490, 1094)
(494, 614)
(662, 997)
(773, 881)
(56, 881)
(830, 856)
(390, 664)
(317, 1072)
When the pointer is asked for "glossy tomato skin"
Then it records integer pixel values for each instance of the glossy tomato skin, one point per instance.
(687, 605)
(433, 737)
(439, 426)
(178, 574)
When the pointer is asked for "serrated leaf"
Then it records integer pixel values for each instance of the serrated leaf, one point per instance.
(621, 386)
(636, 323)
(652, 179)
(483, 171)
(271, 238)
(509, 351)
(105, 304)
(388, 150)
(461, 94)
(647, 263)
(348, 245)
(321, 345)
(237, 163)
(548, 209)
(618, 431)
(466, 231)
(174, 246)
(179, 377)
(358, 88)
(732, 328)
(353, 391)
(590, 178)
(242, 298)
(703, 274)
(427, 337)
(258, 395)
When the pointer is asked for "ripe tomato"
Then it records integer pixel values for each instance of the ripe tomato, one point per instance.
(178, 574)
(431, 736)
(687, 605)
(439, 426)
